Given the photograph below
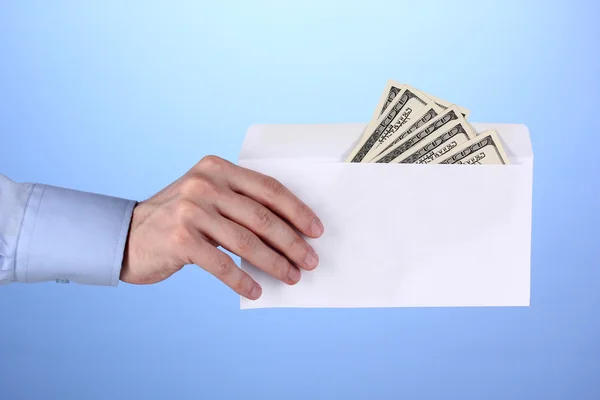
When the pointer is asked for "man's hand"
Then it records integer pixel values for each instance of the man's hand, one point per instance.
(219, 203)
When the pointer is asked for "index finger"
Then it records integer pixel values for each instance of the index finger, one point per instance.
(278, 198)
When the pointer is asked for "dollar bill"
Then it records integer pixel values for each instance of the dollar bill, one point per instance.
(401, 146)
(427, 117)
(485, 148)
(388, 95)
(443, 104)
(408, 101)
(391, 90)
(399, 128)
(439, 143)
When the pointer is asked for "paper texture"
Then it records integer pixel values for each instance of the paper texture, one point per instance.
(400, 235)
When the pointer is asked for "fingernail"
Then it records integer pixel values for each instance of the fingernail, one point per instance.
(255, 292)
(311, 260)
(316, 227)
(294, 274)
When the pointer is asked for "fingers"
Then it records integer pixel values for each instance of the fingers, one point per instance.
(223, 268)
(278, 198)
(259, 207)
(268, 226)
(246, 244)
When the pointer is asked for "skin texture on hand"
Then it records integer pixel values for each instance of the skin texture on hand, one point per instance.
(217, 203)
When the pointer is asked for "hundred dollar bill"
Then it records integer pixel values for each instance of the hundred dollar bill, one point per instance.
(391, 90)
(445, 104)
(427, 117)
(399, 128)
(408, 101)
(485, 148)
(438, 143)
(390, 93)
(401, 146)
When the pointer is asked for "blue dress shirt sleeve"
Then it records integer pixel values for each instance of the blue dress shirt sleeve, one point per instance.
(51, 233)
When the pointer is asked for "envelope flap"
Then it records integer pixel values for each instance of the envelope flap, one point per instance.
(333, 142)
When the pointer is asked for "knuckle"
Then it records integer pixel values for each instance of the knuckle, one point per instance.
(304, 215)
(302, 210)
(262, 218)
(183, 216)
(212, 163)
(281, 265)
(241, 285)
(273, 186)
(191, 184)
(246, 241)
(182, 237)
(199, 185)
(224, 268)
(297, 242)
(184, 211)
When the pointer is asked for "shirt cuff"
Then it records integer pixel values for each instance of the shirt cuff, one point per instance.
(72, 235)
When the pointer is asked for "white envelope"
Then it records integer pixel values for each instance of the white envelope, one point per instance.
(400, 235)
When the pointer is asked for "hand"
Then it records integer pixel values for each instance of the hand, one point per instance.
(219, 203)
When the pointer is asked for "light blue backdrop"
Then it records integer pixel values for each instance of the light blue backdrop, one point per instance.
(121, 98)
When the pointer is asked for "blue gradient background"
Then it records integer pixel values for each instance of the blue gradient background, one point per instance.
(121, 98)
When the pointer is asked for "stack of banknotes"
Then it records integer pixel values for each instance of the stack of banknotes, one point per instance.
(414, 127)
